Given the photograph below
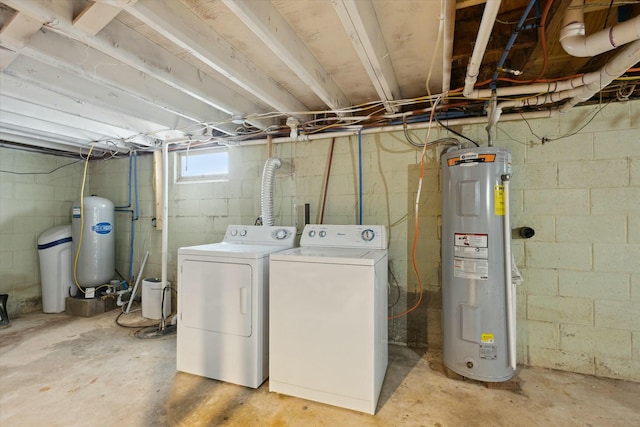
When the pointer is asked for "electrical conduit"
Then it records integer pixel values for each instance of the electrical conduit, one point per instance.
(266, 199)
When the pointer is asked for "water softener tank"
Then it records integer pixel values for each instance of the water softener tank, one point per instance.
(474, 289)
(93, 234)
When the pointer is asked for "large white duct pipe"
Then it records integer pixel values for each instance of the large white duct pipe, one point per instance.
(268, 174)
(626, 59)
(611, 71)
(576, 43)
(484, 32)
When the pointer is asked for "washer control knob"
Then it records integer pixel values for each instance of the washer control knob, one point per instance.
(368, 235)
(322, 233)
(243, 232)
(281, 234)
(234, 231)
(312, 233)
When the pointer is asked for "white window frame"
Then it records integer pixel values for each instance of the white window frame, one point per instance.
(184, 157)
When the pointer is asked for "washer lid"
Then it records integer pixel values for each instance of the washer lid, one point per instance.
(322, 255)
(231, 250)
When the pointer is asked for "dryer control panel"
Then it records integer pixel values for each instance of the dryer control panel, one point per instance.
(262, 235)
(345, 236)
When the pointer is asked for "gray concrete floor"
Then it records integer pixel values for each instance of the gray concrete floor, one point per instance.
(58, 370)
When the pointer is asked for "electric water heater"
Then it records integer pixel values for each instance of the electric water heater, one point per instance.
(478, 311)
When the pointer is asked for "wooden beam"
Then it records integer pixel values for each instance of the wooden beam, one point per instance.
(20, 89)
(87, 63)
(462, 4)
(361, 24)
(130, 48)
(263, 19)
(175, 22)
(95, 17)
(17, 32)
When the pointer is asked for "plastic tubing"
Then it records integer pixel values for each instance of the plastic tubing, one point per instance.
(360, 177)
(266, 198)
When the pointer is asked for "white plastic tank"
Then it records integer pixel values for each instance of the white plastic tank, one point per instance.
(152, 299)
(54, 251)
(93, 233)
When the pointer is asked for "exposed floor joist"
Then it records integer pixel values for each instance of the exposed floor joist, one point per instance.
(265, 21)
(175, 22)
(361, 24)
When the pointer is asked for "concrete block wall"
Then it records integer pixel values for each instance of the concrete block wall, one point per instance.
(199, 213)
(582, 195)
(578, 306)
(33, 198)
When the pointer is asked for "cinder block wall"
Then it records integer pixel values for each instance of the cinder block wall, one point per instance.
(31, 201)
(578, 307)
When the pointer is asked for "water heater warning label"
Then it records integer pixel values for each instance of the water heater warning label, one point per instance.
(488, 352)
(471, 256)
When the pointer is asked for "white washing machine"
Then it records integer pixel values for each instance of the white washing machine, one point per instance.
(328, 316)
(223, 304)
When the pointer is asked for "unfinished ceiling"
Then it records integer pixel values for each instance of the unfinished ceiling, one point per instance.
(128, 74)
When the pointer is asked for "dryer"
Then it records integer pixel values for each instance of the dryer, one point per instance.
(223, 293)
(328, 316)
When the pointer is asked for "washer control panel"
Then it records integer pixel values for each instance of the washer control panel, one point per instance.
(345, 236)
(256, 234)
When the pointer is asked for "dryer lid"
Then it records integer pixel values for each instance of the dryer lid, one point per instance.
(231, 250)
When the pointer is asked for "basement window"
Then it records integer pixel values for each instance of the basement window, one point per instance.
(202, 166)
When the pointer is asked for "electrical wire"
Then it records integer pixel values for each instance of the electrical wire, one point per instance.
(41, 173)
(84, 180)
(544, 139)
(416, 218)
(455, 132)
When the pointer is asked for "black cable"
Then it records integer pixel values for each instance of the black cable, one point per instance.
(131, 326)
(393, 277)
(40, 173)
(457, 133)
(606, 19)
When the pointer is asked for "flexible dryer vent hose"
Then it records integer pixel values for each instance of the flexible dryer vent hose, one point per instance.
(268, 174)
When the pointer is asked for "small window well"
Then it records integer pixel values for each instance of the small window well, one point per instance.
(202, 166)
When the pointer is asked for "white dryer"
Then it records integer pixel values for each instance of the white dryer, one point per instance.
(328, 316)
(223, 304)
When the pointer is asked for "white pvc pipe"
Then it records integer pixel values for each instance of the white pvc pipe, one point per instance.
(484, 32)
(449, 12)
(510, 294)
(616, 67)
(626, 59)
(538, 87)
(576, 43)
(165, 212)
(135, 288)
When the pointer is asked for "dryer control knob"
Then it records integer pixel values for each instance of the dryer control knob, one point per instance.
(234, 231)
(281, 234)
(368, 235)
(243, 232)
(312, 233)
(322, 233)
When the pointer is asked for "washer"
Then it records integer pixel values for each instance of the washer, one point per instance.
(328, 316)
(223, 304)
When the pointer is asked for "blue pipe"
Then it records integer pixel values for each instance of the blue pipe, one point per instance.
(133, 169)
(360, 175)
(510, 43)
